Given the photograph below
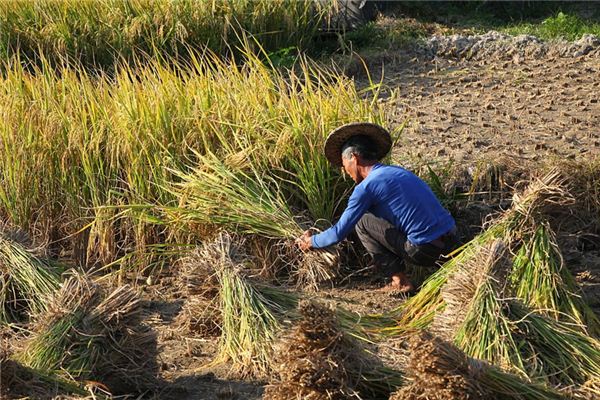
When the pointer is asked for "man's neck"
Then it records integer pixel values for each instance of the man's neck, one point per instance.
(365, 170)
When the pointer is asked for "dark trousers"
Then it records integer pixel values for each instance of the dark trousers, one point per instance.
(390, 248)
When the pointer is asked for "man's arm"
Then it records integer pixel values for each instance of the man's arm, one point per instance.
(360, 201)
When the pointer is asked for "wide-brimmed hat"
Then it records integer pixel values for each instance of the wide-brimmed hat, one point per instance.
(382, 140)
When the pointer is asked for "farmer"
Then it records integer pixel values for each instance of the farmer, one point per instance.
(395, 214)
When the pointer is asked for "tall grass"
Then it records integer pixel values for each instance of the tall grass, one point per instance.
(77, 148)
(100, 33)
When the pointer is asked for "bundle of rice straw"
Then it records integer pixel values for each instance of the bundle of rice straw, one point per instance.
(253, 314)
(26, 281)
(92, 335)
(312, 361)
(540, 278)
(514, 228)
(17, 381)
(438, 370)
(249, 322)
(197, 280)
(485, 321)
(247, 201)
(318, 360)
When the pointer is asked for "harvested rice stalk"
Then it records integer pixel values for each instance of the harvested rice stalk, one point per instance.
(419, 311)
(17, 381)
(90, 335)
(473, 315)
(250, 202)
(540, 278)
(319, 361)
(26, 281)
(197, 280)
(252, 314)
(540, 197)
(438, 370)
(554, 350)
(311, 363)
(482, 321)
(249, 325)
(248, 319)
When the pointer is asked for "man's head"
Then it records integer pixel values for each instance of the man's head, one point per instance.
(358, 151)
(370, 142)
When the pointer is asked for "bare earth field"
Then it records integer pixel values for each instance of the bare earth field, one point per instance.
(456, 110)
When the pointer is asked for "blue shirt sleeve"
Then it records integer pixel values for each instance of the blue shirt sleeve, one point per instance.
(360, 201)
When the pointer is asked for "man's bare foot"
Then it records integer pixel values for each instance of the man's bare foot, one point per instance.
(399, 284)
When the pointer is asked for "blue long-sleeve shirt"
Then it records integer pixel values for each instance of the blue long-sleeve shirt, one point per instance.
(398, 196)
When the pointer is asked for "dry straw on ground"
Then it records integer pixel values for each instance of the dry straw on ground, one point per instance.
(322, 359)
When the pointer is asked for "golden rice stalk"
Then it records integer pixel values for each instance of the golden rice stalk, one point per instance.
(542, 196)
(248, 319)
(250, 202)
(541, 280)
(484, 320)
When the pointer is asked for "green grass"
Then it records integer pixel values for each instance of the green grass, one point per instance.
(561, 25)
(544, 19)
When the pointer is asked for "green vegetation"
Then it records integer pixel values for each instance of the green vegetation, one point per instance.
(546, 19)
(566, 26)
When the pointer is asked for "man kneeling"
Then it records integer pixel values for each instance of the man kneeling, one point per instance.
(396, 215)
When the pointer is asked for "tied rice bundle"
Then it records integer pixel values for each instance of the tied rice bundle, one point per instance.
(542, 281)
(18, 381)
(253, 314)
(249, 323)
(438, 370)
(26, 281)
(486, 322)
(542, 197)
(248, 202)
(88, 334)
(312, 361)
(318, 360)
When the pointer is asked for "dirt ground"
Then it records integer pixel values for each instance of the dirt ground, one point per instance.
(456, 111)
(465, 111)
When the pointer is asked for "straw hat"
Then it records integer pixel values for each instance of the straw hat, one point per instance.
(336, 139)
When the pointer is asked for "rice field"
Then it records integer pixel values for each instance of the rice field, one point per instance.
(102, 34)
(158, 199)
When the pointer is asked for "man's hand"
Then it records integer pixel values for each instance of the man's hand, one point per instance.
(305, 241)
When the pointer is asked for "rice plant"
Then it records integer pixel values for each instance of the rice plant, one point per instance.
(77, 148)
(438, 369)
(249, 203)
(249, 323)
(100, 34)
(318, 359)
(483, 321)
